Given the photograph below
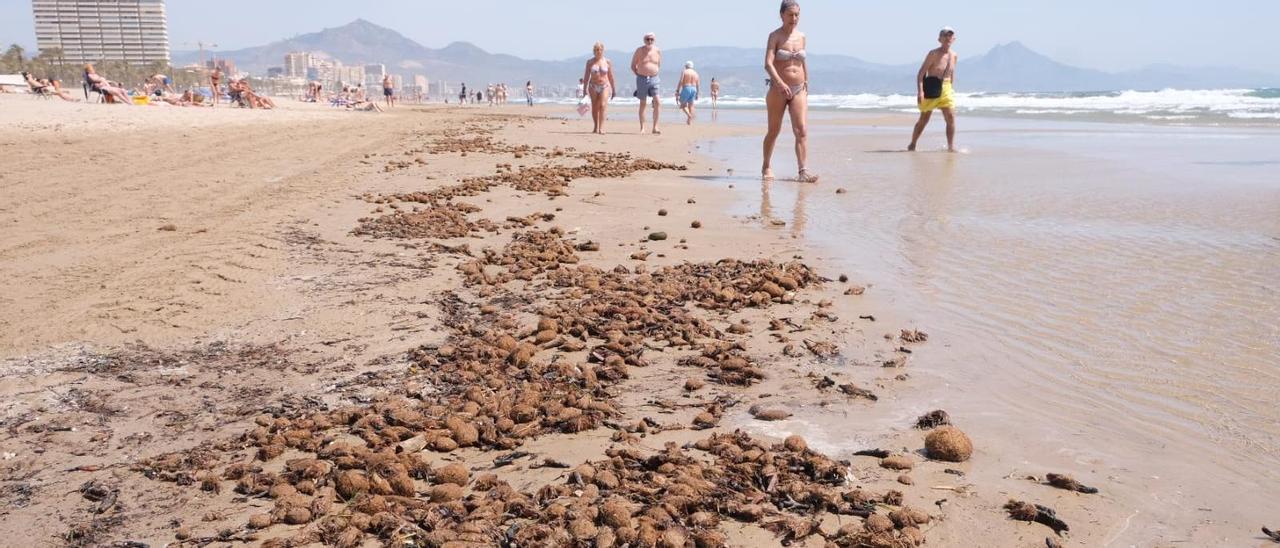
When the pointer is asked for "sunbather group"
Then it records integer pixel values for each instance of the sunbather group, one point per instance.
(350, 97)
(242, 93)
(160, 88)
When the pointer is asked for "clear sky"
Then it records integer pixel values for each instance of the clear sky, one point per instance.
(1104, 34)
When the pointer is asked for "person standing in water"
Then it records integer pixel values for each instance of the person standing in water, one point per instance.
(715, 93)
(600, 86)
(934, 88)
(688, 90)
(646, 64)
(784, 60)
(528, 91)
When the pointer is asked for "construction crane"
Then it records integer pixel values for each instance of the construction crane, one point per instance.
(201, 45)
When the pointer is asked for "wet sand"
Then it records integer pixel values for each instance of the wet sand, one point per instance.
(195, 305)
(1099, 297)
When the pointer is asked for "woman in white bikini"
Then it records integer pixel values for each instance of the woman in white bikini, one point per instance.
(784, 60)
(600, 86)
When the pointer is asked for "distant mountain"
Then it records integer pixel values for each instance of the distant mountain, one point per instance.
(1007, 67)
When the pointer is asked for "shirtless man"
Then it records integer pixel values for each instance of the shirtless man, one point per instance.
(939, 66)
(646, 63)
(160, 84)
(715, 93)
(688, 90)
(388, 90)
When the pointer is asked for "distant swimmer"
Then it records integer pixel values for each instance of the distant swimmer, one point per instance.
(934, 88)
(715, 93)
(646, 64)
(784, 60)
(688, 90)
(599, 84)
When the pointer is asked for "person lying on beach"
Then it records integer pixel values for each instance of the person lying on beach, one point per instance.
(243, 93)
(47, 87)
(255, 100)
(104, 86)
(366, 106)
(934, 88)
(646, 63)
(688, 90)
(784, 60)
(185, 100)
(599, 84)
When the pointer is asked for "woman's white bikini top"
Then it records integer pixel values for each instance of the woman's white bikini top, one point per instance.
(784, 55)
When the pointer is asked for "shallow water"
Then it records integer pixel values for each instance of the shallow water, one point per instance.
(1102, 295)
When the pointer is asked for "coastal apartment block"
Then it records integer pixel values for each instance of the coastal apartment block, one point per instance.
(87, 31)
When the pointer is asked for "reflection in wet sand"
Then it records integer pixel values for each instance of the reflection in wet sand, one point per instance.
(929, 189)
(799, 219)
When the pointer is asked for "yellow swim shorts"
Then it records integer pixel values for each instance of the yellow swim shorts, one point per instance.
(947, 100)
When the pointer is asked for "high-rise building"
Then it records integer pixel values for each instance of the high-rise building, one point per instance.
(296, 64)
(373, 74)
(88, 31)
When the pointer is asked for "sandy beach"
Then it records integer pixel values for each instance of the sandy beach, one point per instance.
(481, 326)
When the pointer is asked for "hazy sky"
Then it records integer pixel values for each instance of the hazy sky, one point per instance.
(1105, 34)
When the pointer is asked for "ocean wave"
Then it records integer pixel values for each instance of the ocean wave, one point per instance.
(1168, 104)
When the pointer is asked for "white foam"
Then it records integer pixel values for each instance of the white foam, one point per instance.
(1234, 103)
(1169, 104)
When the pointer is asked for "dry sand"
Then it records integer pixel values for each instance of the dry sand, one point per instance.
(174, 275)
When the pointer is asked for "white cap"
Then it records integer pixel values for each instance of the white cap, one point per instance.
(946, 30)
(650, 35)
(688, 64)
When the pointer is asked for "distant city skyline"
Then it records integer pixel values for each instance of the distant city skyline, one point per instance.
(1088, 33)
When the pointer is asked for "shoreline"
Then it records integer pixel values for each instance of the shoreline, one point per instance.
(334, 319)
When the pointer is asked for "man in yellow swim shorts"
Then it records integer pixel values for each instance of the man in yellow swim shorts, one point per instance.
(934, 88)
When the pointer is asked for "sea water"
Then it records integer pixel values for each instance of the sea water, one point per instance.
(1099, 296)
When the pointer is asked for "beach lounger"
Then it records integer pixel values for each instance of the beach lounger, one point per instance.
(90, 88)
(40, 92)
(36, 91)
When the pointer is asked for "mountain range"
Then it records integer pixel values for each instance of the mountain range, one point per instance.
(1011, 67)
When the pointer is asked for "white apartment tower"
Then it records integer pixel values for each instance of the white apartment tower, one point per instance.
(89, 31)
(296, 64)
